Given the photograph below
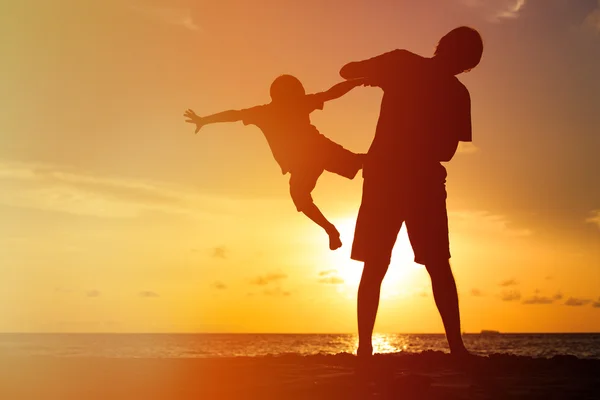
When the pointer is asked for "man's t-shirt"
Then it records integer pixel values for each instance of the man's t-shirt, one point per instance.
(293, 140)
(424, 113)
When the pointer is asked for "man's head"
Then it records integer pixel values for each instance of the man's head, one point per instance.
(460, 49)
(286, 89)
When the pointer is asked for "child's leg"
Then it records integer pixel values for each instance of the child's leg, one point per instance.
(301, 185)
(344, 162)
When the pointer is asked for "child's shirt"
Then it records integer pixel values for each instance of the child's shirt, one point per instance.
(293, 140)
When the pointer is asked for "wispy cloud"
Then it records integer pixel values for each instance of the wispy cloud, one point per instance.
(218, 285)
(328, 272)
(508, 282)
(538, 300)
(219, 252)
(576, 302)
(93, 293)
(264, 280)
(332, 280)
(181, 17)
(276, 292)
(595, 217)
(148, 294)
(484, 222)
(477, 293)
(497, 10)
(592, 21)
(61, 189)
(512, 295)
(330, 277)
(596, 304)
(558, 296)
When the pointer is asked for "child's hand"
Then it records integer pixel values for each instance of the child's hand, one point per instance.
(194, 119)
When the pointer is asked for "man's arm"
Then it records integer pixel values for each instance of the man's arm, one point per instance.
(225, 116)
(370, 68)
(338, 90)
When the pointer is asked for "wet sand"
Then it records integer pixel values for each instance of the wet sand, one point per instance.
(427, 376)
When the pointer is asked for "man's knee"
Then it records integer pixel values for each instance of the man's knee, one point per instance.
(374, 272)
(439, 268)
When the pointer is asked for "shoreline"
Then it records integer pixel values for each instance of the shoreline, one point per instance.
(429, 375)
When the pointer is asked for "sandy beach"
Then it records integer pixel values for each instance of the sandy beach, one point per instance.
(429, 375)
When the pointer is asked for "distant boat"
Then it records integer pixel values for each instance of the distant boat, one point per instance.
(486, 332)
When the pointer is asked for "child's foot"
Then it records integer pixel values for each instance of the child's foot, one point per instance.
(334, 240)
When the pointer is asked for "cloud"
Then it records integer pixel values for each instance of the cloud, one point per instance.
(92, 293)
(181, 17)
(328, 272)
(575, 302)
(332, 280)
(508, 282)
(497, 10)
(592, 21)
(483, 222)
(549, 278)
(558, 296)
(596, 304)
(595, 218)
(276, 292)
(148, 294)
(330, 277)
(538, 300)
(512, 295)
(218, 285)
(267, 279)
(61, 189)
(219, 252)
(477, 293)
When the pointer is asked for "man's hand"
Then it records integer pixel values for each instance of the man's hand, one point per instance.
(194, 119)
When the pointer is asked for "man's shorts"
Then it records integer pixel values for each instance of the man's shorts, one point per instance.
(386, 205)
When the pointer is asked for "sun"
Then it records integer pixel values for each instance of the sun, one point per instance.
(403, 276)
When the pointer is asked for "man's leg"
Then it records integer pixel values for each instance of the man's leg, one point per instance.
(368, 303)
(446, 299)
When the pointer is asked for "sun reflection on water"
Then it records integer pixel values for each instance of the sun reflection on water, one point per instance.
(384, 343)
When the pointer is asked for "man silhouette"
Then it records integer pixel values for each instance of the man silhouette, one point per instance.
(425, 112)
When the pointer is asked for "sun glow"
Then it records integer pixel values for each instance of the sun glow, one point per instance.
(403, 277)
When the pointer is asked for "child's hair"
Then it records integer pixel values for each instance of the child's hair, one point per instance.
(462, 47)
(286, 88)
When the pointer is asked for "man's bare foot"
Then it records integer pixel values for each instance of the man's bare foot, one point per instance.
(364, 351)
(334, 240)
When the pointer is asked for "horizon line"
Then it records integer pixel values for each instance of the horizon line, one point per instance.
(294, 333)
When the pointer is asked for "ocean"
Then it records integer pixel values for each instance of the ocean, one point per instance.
(582, 345)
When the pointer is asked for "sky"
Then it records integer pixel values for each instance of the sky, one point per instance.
(117, 218)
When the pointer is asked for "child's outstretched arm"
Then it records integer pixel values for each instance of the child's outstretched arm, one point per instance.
(225, 116)
(340, 89)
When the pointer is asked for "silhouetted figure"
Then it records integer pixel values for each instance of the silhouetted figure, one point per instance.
(425, 112)
(297, 146)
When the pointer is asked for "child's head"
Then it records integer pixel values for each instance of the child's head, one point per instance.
(286, 89)
(460, 49)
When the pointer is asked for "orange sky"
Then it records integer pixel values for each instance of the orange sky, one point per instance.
(115, 217)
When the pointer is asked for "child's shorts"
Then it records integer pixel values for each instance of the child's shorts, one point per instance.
(304, 177)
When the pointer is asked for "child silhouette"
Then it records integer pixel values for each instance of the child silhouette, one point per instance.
(296, 144)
